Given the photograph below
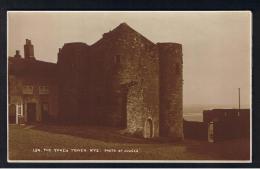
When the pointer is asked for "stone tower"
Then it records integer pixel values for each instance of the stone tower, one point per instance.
(123, 80)
(28, 50)
(171, 81)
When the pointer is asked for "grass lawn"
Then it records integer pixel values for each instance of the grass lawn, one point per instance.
(56, 142)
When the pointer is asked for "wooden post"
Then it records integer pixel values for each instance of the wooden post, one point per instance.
(16, 113)
(238, 101)
(21, 109)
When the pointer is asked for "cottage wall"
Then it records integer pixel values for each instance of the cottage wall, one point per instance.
(18, 97)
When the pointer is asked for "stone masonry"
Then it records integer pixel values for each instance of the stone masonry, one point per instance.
(123, 80)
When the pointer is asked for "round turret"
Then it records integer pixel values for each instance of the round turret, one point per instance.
(171, 81)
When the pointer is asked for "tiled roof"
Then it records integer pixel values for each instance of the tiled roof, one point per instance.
(31, 67)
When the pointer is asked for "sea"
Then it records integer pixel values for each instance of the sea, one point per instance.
(195, 112)
(193, 117)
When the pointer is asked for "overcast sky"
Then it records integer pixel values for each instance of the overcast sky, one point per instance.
(216, 45)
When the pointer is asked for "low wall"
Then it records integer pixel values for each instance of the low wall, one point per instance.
(195, 130)
(223, 130)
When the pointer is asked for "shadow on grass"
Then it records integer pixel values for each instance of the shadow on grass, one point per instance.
(232, 149)
(106, 134)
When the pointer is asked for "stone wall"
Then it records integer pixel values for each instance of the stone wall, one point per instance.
(70, 70)
(138, 70)
(123, 80)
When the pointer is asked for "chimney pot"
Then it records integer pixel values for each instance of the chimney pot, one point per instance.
(17, 54)
(28, 50)
(28, 41)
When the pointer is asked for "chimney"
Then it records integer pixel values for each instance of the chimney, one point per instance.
(17, 54)
(28, 50)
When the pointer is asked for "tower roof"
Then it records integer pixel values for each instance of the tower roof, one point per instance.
(123, 30)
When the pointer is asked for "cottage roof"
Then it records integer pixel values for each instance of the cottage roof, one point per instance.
(31, 67)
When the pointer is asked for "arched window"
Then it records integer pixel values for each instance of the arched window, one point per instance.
(148, 130)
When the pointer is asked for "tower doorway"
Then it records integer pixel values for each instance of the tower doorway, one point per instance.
(148, 130)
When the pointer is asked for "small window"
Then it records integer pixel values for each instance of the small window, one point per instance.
(43, 90)
(117, 59)
(178, 68)
(28, 89)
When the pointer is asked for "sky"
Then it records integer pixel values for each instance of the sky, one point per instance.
(216, 45)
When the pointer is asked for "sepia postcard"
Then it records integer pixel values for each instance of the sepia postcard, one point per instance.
(129, 86)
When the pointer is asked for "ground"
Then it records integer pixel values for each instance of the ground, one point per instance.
(58, 142)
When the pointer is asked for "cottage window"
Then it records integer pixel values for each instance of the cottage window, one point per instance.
(43, 90)
(28, 89)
